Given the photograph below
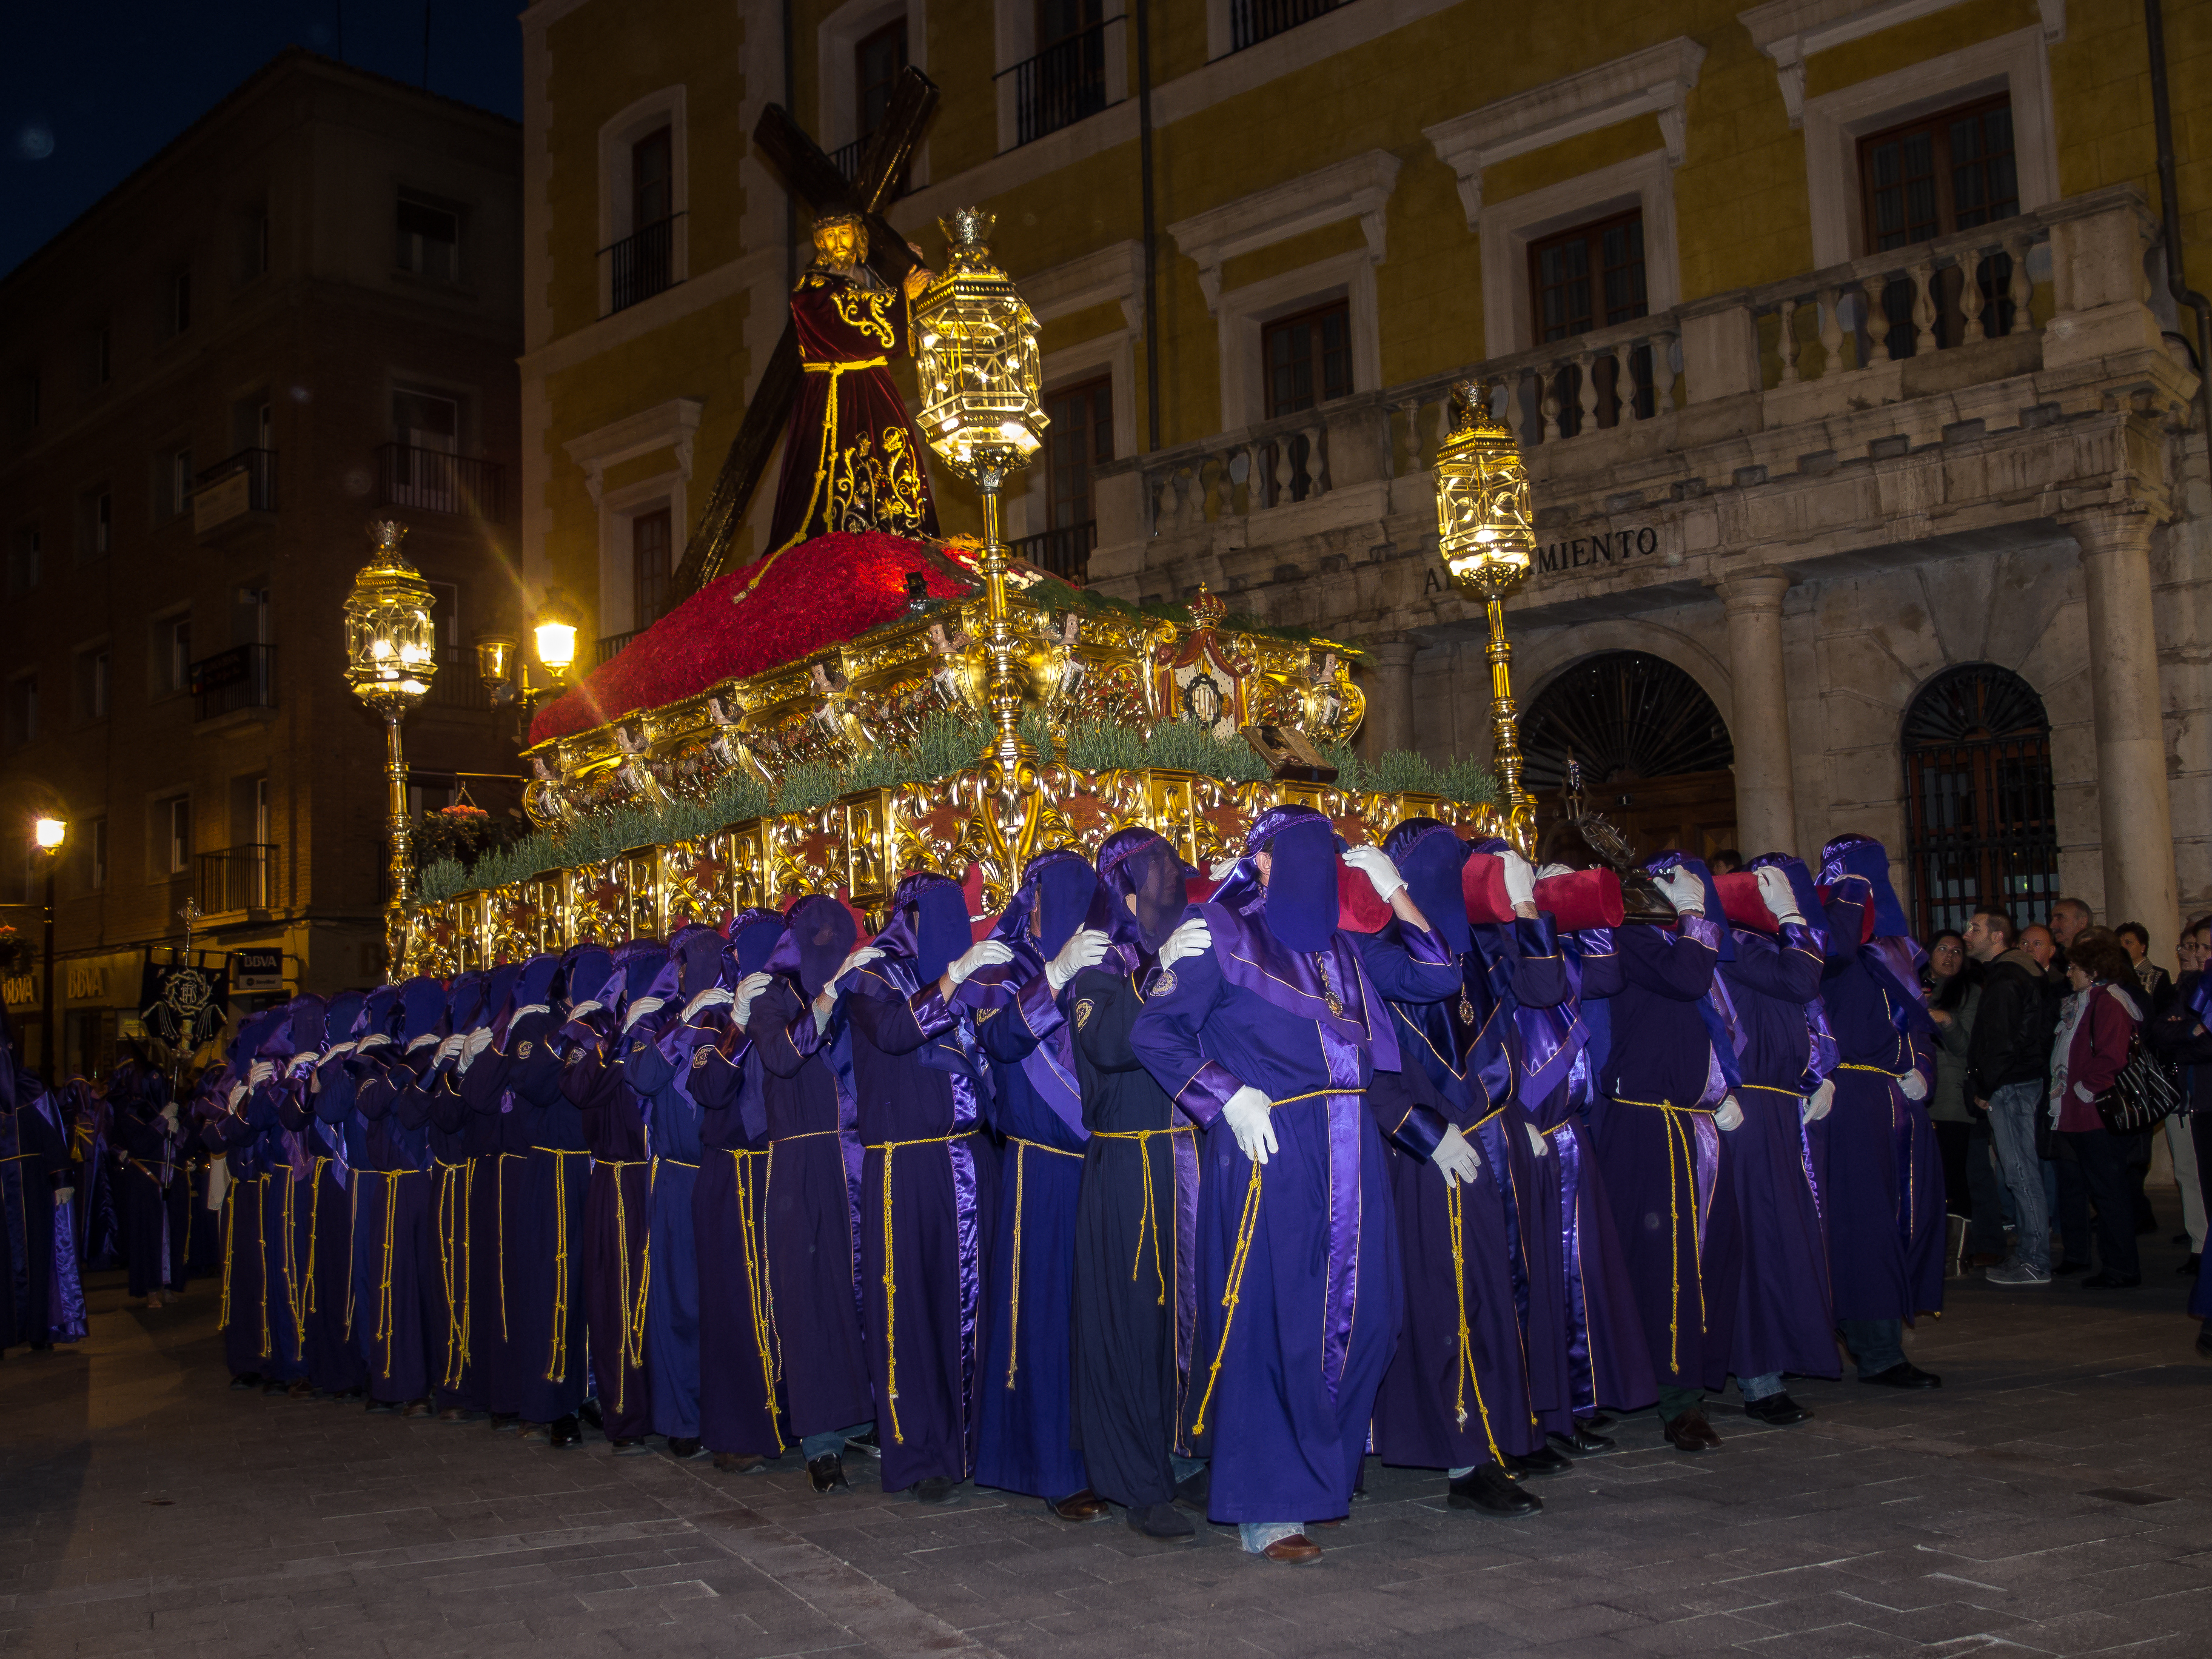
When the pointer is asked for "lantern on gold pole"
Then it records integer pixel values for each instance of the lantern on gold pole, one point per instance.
(1488, 544)
(979, 375)
(390, 658)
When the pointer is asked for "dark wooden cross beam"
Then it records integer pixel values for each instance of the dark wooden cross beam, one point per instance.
(814, 179)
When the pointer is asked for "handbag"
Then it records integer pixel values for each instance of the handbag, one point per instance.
(2143, 1096)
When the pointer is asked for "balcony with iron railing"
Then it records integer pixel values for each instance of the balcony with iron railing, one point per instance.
(235, 489)
(848, 158)
(1062, 85)
(436, 481)
(1251, 21)
(1885, 352)
(1064, 552)
(242, 678)
(643, 263)
(610, 646)
(237, 879)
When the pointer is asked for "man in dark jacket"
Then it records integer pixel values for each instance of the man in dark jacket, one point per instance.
(2007, 1059)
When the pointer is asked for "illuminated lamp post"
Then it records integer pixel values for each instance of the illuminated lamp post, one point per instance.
(390, 658)
(50, 834)
(1488, 544)
(980, 375)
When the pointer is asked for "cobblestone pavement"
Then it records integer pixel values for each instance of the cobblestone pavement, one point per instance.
(2056, 1497)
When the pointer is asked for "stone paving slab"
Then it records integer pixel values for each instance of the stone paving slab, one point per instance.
(2055, 1498)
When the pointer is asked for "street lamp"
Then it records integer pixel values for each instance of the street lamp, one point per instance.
(50, 834)
(554, 635)
(980, 373)
(1488, 544)
(390, 658)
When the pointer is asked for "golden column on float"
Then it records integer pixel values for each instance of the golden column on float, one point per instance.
(1488, 544)
(979, 375)
(390, 658)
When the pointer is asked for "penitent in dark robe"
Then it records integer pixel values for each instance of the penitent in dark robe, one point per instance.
(852, 459)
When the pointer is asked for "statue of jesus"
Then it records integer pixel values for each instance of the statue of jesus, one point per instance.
(852, 460)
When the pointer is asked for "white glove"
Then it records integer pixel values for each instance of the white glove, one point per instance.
(478, 1042)
(1455, 1158)
(237, 1094)
(859, 958)
(1247, 1115)
(1222, 867)
(63, 1194)
(1914, 1086)
(1683, 890)
(451, 1048)
(339, 1052)
(1779, 896)
(380, 1039)
(1537, 1143)
(169, 1115)
(749, 989)
(1188, 939)
(1520, 878)
(1086, 948)
(1818, 1103)
(1728, 1114)
(262, 1072)
(1374, 863)
(714, 996)
(984, 953)
(304, 1063)
(639, 1009)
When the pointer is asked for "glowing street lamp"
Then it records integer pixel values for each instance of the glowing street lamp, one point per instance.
(49, 834)
(390, 658)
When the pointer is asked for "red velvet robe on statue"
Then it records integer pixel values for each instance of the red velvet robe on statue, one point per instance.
(852, 460)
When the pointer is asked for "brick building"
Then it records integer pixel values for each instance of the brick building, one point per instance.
(301, 314)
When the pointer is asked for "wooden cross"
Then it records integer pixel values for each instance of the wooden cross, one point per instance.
(814, 179)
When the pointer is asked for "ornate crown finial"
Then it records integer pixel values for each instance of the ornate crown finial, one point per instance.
(968, 231)
(1206, 610)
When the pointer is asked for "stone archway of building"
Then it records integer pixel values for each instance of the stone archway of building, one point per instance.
(1652, 750)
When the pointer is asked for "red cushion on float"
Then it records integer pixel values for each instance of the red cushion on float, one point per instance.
(1482, 884)
(1744, 903)
(1357, 906)
(1583, 898)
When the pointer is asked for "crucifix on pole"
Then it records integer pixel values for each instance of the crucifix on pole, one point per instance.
(813, 177)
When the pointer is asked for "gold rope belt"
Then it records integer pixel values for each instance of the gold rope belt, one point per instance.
(1150, 1218)
(1677, 1139)
(888, 1148)
(557, 1361)
(760, 1302)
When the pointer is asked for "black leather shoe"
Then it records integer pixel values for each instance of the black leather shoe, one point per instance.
(936, 1490)
(422, 1407)
(1691, 1432)
(274, 1385)
(1904, 1374)
(248, 1380)
(1081, 1506)
(1597, 1422)
(589, 1413)
(631, 1445)
(564, 1433)
(827, 1472)
(1193, 1493)
(1779, 1410)
(686, 1447)
(2109, 1281)
(382, 1407)
(2066, 1267)
(1542, 1461)
(2188, 1266)
(460, 1414)
(735, 1462)
(505, 1422)
(301, 1390)
(868, 1443)
(1162, 1521)
(1581, 1442)
(1491, 1490)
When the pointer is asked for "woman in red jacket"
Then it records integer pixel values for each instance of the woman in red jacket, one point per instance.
(2085, 1056)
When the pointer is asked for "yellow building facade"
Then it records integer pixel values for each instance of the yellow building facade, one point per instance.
(1863, 418)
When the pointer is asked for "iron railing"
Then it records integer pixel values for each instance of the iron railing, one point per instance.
(458, 685)
(612, 646)
(848, 158)
(1060, 85)
(259, 466)
(641, 264)
(1251, 21)
(237, 878)
(1065, 552)
(435, 481)
(243, 676)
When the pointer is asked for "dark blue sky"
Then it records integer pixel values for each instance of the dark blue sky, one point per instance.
(89, 91)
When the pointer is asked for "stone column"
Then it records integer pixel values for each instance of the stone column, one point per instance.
(1766, 796)
(2134, 812)
(1389, 722)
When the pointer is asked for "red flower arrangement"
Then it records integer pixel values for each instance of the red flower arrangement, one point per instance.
(816, 594)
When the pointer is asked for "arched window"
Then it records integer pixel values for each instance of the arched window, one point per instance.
(1985, 834)
(1654, 752)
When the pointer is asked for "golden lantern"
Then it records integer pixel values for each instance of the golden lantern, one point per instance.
(495, 662)
(554, 633)
(1489, 543)
(390, 658)
(980, 375)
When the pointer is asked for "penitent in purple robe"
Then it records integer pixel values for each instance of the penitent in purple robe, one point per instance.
(1782, 1318)
(1660, 1155)
(395, 1314)
(618, 1203)
(1284, 1375)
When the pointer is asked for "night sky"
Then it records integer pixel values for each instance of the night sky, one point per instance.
(89, 92)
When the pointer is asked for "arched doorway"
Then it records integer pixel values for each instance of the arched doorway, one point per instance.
(1984, 831)
(1654, 752)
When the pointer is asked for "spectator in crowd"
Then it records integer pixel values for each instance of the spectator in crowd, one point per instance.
(2177, 1037)
(2008, 1056)
(2087, 1053)
(1726, 862)
(2135, 939)
(1954, 992)
(2042, 948)
(2069, 916)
